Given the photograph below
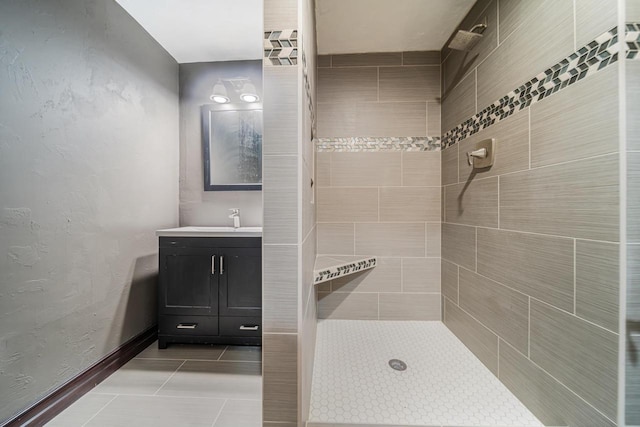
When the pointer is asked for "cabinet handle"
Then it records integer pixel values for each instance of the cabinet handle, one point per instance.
(186, 326)
(221, 264)
(249, 328)
(213, 264)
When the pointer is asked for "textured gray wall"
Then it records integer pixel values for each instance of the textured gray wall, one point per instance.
(199, 207)
(88, 171)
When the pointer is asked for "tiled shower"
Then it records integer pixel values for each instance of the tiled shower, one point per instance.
(528, 262)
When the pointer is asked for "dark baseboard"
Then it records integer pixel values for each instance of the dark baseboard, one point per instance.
(61, 398)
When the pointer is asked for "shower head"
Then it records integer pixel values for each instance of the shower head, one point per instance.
(466, 40)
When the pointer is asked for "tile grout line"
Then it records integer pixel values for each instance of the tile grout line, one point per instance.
(529, 327)
(170, 376)
(223, 351)
(215, 420)
(529, 134)
(575, 262)
(99, 410)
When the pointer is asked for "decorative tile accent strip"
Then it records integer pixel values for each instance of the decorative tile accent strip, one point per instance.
(589, 59)
(359, 143)
(632, 38)
(342, 269)
(281, 47)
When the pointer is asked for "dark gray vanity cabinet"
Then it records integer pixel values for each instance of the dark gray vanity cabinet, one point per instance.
(210, 290)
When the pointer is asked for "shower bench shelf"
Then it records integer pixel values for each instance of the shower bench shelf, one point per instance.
(329, 267)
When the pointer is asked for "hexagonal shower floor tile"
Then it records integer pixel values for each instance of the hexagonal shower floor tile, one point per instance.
(444, 384)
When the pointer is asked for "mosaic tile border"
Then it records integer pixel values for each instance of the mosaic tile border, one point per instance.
(339, 270)
(281, 47)
(362, 144)
(632, 38)
(587, 60)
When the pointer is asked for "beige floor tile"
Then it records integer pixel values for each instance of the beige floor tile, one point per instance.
(240, 413)
(233, 380)
(158, 411)
(182, 352)
(243, 353)
(81, 410)
(139, 376)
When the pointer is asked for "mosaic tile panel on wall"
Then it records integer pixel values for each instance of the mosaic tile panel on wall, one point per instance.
(281, 47)
(368, 144)
(589, 59)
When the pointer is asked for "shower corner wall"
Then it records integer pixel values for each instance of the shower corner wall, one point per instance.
(531, 247)
(378, 183)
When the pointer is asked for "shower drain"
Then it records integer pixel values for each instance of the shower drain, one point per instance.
(397, 364)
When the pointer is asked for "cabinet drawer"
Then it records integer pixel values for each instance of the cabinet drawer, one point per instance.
(241, 326)
(188, 325)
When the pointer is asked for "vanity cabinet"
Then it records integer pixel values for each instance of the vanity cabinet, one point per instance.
(210, 290)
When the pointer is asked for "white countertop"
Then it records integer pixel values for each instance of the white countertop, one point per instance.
(210, 232)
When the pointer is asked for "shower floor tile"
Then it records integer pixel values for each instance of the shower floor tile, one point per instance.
(444, 383)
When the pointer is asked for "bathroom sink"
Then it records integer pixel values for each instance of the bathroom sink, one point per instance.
(193, 231)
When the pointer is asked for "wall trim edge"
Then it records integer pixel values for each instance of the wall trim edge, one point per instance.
(65, 395)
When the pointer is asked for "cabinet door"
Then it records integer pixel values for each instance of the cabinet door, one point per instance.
(188, 281)
(240, 281)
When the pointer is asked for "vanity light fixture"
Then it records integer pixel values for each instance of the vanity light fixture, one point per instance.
(219, 93)
(249, 93)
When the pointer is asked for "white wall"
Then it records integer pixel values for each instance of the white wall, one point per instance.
(88, 171)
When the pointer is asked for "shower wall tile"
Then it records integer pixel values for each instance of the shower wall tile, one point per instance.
(421, 168)
(391, 119)
(421, 57)
(459, 64)
(347, 85)
(348, 306)
(406, 306)
(449, 280)
(280, 99)
(472, 203)
(336, 239)
(539, 266)
(280, 14)
(280, 199)
(347, 204)
(280, 290)
(502, 310)
(385, 277)
(512, 148)
(581, 355)
(480, 340)
(633, 201)
(577, 199)
(336, 120)
(323, 169)
(459, 103)
(415, 83)
(434, 239)
(594, 17)
(409, 204)
(597, 283)
(434, 118)
(280, 377)
(323, 61)
(517, 56)
(450, 164)
(459, 245)
(514, 13)
(580, 121)
(366, 59)
(421, 275)
(389, 239)
(548, 399)
(366, 169)
(632, 78)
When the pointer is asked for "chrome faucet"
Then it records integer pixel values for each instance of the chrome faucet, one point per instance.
(235, 215)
